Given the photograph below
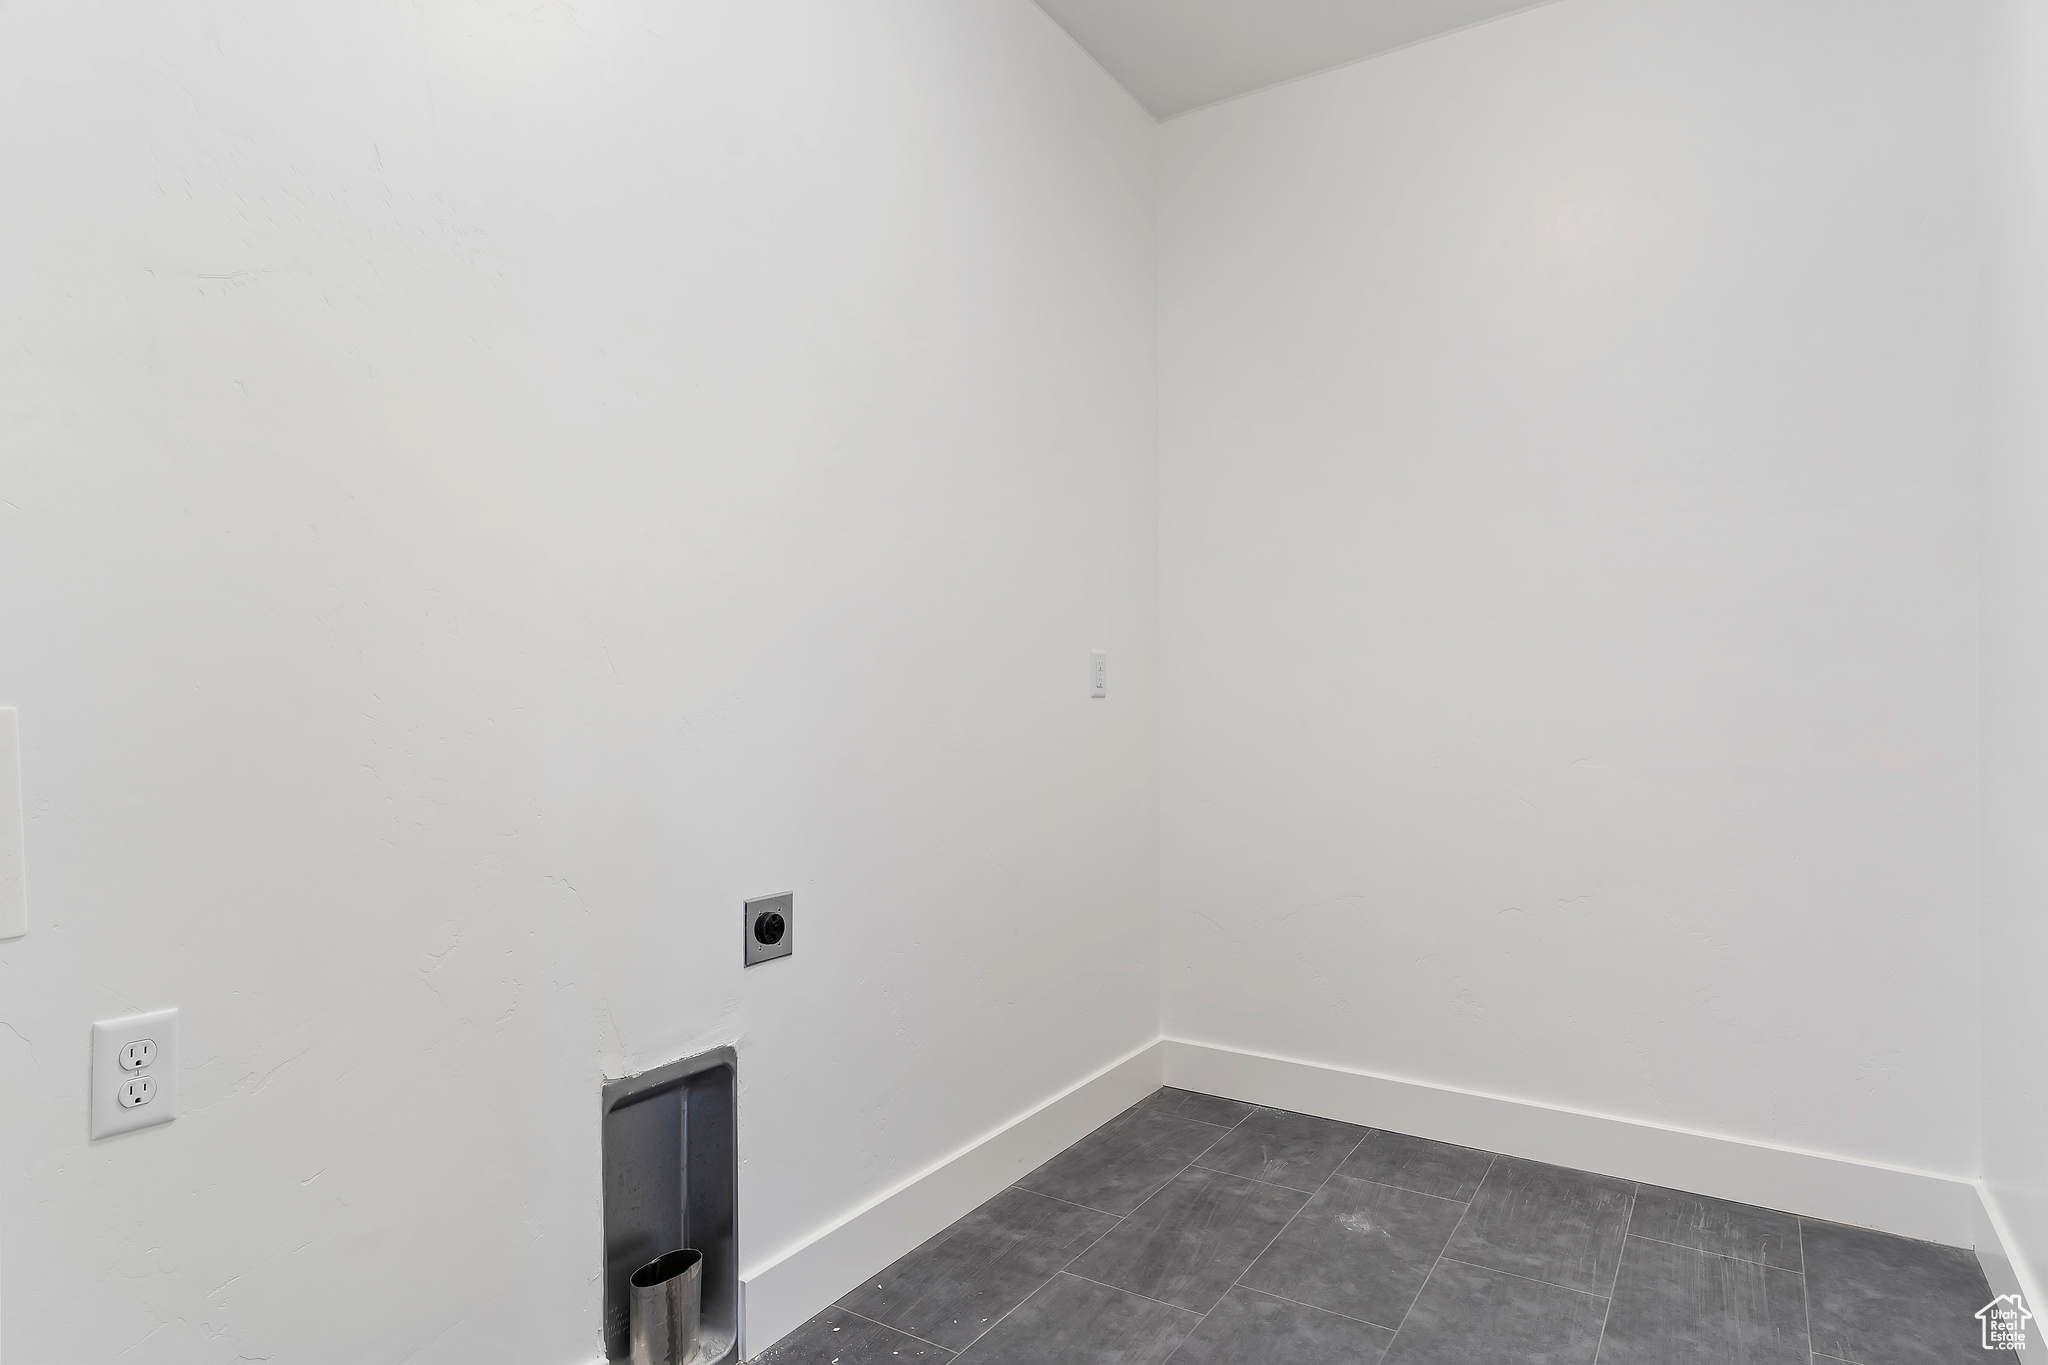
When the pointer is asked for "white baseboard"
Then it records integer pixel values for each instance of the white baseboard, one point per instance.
(2007, 1272)
(1922, 1204)
(782, 1291)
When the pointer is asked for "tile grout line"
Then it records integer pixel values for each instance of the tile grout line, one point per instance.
(1038, 1289)
(1004, 1316)
(1231, 1127)
(1195, 1164)
(1433, 1265)
(1635, 1192)
(1798, 1227)
(1239, 1281)
(1368, 1132)
(1119, 1289)
(1364, 1322)
(1517, 1275)
(1390, 1185)
(1271, 1185)
(1296, 1189)
(1724, 1255)
(1121, 1219)
(1805, 1289)
(1401, 1189)
(897, 1330)
(1068, 1202)
(1297, 1213)
(1222, 1132)
(1012, 1308)
(1169, 1180)
(1184, 1118)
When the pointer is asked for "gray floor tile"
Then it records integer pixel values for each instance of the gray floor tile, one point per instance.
(1188, 1243)
(837, 1337)
(1075, 1322)
(1186, 1104)
(1523, 1276)
(1414, 1163)
(1677, 1306)
(1119, 1165)
(1743, 1231)
(951, 1289)
(1359, 1249)
(1469, 1316)
(1561, 1226)
(1249, 1326)
(1883, 1300)
(1295, 1150)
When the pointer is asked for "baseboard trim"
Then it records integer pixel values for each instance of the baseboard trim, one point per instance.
(1922, 1204)
(1997, 1252)
(783, 1290)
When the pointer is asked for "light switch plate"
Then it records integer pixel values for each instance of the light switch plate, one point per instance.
(109, 1037)
(13, 840)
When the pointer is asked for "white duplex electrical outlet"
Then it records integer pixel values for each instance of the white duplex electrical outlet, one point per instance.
(134, 1072)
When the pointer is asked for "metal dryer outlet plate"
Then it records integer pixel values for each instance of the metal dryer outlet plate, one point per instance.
(770, 923)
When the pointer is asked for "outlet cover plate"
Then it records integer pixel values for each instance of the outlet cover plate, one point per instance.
(770, 926)
(109, 1036)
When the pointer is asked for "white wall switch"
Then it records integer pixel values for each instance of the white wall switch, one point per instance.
(13, 841)
(134, 1072)
(1098, 672)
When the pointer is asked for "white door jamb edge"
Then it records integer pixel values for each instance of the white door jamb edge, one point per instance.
(1921, 1204)
(783, 1290)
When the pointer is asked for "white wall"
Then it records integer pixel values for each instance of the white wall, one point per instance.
(2015, 577)
(482, 489)
(1568, 576)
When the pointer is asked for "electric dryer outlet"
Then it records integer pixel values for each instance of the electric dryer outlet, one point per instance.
(770, 925)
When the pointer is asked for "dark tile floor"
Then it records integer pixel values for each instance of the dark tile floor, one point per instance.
(1203, 1231)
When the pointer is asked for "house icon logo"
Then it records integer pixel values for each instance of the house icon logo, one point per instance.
(2005, 1321)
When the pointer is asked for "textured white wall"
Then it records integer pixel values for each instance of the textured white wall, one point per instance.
(483, 488)
(2015, 575)
(1568, 575)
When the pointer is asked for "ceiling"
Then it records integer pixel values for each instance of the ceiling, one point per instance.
(1177, 55)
